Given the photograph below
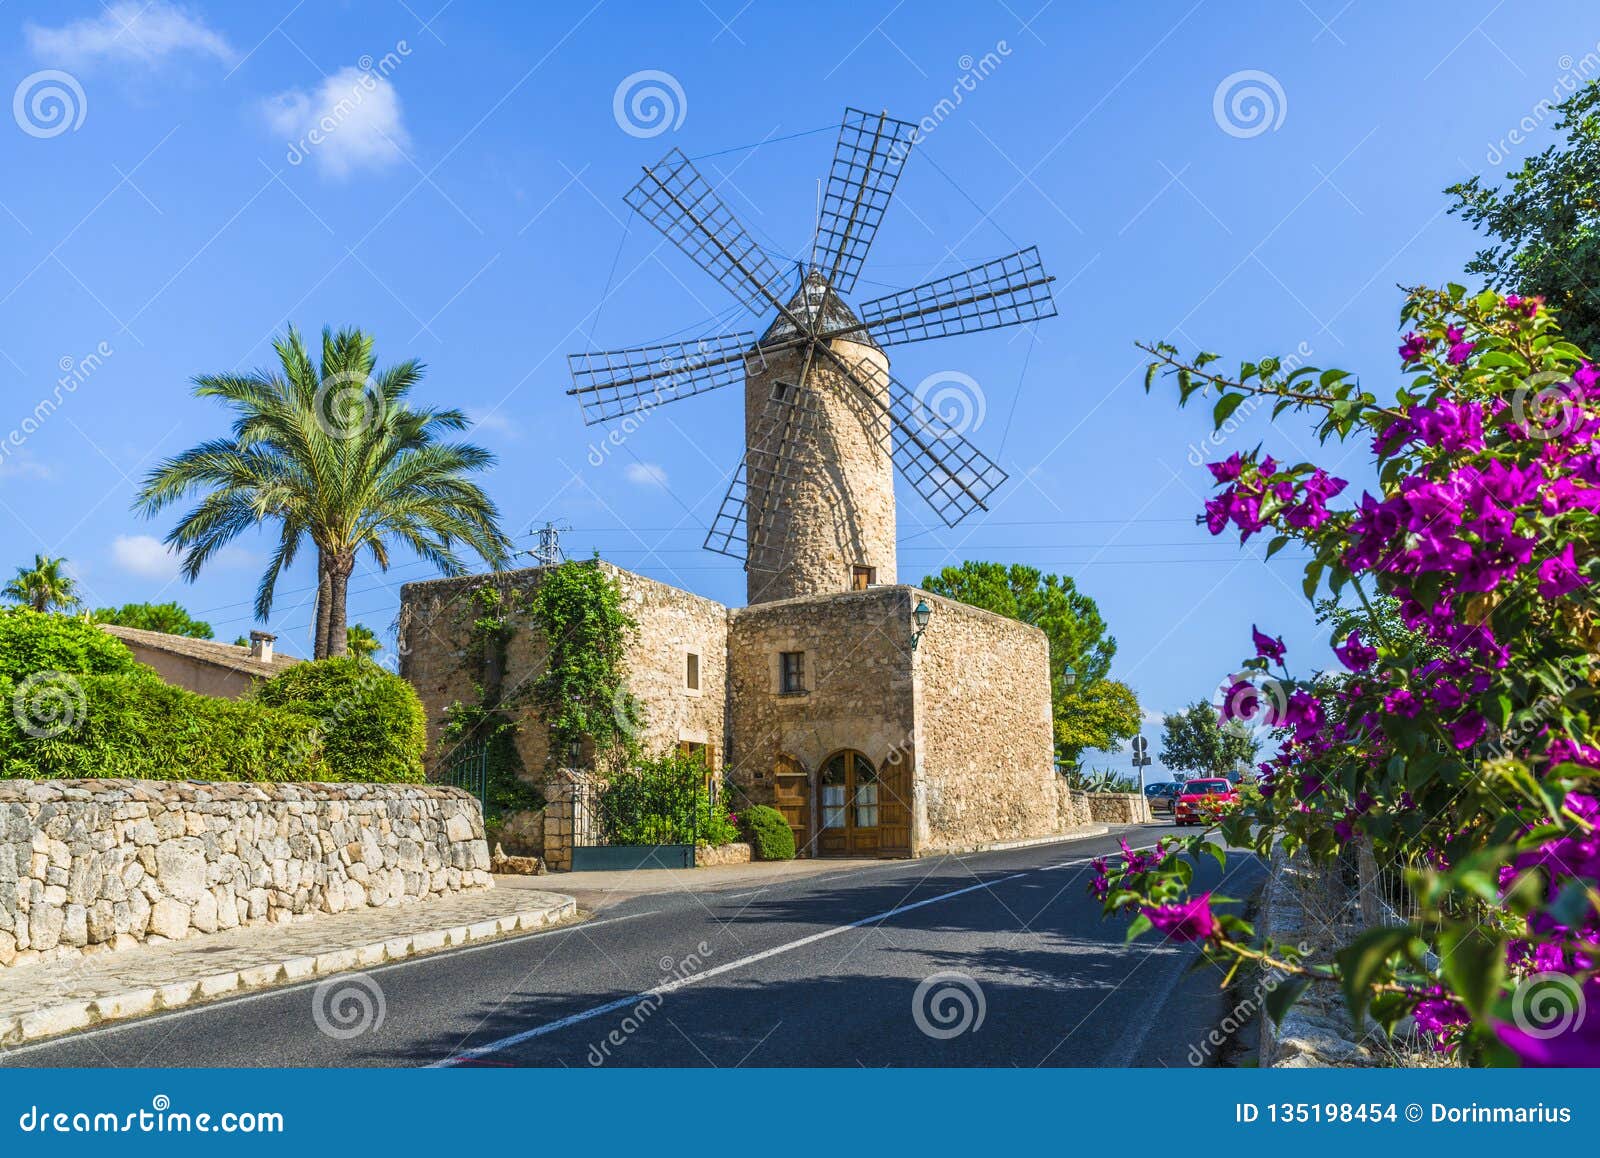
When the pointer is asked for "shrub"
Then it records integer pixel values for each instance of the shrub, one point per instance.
(664, 800)
(31, 641)
(372, 723)
(132, 725)
(768, 832)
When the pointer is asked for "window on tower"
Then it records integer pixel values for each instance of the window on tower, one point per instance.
(691, 672)
(862, 577)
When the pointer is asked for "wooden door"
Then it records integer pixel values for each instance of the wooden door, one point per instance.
(850, 806)
(894, 808)
(791, 796)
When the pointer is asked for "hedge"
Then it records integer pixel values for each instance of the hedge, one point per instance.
(56, 726)
(373, 725)
(32, 641)
(769, 833)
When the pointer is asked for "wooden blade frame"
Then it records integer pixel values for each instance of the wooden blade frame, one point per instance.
(612, 383)
(1008, 291)
(872, 150)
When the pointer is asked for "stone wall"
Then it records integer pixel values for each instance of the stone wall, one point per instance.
(89, 865)
(858, 683)
(442, 661)
(985, 771)
(1119, 808)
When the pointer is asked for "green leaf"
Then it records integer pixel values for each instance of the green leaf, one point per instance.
(1225, 406)
(1141, 925)
(1473, 963)
(1362, 962)
(1281, 998)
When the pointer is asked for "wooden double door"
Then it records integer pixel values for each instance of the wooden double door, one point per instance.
(862, 809)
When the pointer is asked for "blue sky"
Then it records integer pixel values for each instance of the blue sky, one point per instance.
(468, 212)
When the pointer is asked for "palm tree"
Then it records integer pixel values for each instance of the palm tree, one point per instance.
(332, 453)
(44, 587)
(362, 641)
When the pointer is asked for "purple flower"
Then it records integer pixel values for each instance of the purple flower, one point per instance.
(1226, 472)
(1438, 1014)
(1354, 654)
(1559, 575)
(1467, 731)
(1576, 1044)
(1189, 920)
(1413, 347)
(1401, 702)
(1266, 646)
(1459, 347)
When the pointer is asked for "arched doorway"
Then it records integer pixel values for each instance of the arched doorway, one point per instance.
(849, 806)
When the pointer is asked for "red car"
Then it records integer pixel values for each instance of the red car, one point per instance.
(1199, 801)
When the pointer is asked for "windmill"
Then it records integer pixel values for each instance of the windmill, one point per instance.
(810, 508)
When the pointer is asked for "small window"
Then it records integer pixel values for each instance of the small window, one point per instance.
(696, 751)
(791, 672)
(780, 391)
(691, 672)
(862, 577)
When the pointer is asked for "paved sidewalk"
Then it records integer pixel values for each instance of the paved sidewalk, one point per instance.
(38, 1001)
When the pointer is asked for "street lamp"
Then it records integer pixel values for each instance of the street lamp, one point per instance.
(1068, 676)
(920, 616)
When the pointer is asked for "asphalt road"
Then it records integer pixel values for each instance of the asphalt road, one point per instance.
(822, 971)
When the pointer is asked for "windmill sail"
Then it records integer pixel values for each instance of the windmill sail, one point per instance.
(955, 477)
(1008, 291)
(611, 383)
(872, 150)
(768, 470)
(674, 198)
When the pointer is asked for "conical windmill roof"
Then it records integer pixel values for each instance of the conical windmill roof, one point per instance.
(815, 298)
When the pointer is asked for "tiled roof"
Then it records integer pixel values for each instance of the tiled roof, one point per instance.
(227, 655)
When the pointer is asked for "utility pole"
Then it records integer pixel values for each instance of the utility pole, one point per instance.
(548, 552)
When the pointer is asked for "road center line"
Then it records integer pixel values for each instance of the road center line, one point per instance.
(673, 986)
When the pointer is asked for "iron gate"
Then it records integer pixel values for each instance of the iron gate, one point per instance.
(468, 768)
(631, 823)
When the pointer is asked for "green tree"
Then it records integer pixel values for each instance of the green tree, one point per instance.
(333, 453)
(1093, 711)
(1545, 223)
(1194, 740)
(44, 587)
(166, 617)
(362, 641)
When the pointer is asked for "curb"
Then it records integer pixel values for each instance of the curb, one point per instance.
(69, 1016)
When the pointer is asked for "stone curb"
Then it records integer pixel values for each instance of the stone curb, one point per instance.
(1079, 832)
(69, 1016)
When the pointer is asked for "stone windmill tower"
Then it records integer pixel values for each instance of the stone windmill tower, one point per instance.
(811, 506)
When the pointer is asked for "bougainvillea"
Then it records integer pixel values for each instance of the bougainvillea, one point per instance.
(1465, 750)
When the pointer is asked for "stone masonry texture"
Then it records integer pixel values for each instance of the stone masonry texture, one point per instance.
(90, 865)
(820, 481)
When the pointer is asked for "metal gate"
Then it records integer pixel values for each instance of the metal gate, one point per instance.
(468, 768)
(630, 823)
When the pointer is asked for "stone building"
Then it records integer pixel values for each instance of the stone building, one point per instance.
(826, 696)
(207, 666)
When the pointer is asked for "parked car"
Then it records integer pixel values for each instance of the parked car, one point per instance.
(1162, 794)
(1200, 800)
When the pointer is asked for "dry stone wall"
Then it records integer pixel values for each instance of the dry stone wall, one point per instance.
(89, 865)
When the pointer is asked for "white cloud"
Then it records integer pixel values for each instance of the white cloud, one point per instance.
(646, 474)
(145, 556)
(19, 464)
(139, 31)
(494, 422)
(350, 121)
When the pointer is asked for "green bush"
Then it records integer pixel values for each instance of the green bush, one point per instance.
(132, 725)
(664, 800)
(768, 832)
(373, 727)
(31, 641)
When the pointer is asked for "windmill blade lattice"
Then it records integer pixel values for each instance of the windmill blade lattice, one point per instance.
(872, 150)
(772, 468)
(611, 383)
(954, 476)
(674, 198)
(1008, 291)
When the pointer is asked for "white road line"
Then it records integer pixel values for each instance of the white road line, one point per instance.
(695, 978)
(280, 990)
